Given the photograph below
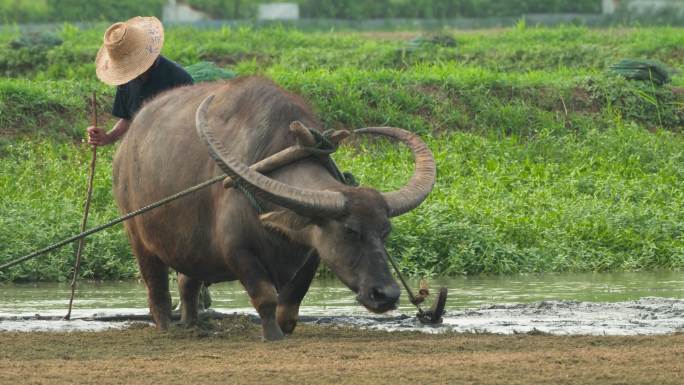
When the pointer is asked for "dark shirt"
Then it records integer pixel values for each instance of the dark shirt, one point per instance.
(164, 75)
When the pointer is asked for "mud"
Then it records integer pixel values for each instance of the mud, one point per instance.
(646, 316)
(230, 351)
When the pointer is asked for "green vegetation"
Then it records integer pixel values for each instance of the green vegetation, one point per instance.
(23, 11)
(207, 71)
(40, 11)
(43, 188)
(355, 9)
(322, 14)
(547, 160)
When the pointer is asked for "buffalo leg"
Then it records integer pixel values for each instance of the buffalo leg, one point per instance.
(156, 276)
(189, 289)
(293, 292)
(262, 293)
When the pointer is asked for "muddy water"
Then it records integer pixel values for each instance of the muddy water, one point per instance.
(616, 304)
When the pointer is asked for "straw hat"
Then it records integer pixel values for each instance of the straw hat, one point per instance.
(129, 49)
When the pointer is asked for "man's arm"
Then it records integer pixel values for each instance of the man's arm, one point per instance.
(98, 137)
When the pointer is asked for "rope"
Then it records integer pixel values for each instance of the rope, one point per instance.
(323, 148)
(251, 198)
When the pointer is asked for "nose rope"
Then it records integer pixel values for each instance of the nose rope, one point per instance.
(414, 300)
(432, 316)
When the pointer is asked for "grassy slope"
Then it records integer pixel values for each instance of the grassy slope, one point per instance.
(546, 163)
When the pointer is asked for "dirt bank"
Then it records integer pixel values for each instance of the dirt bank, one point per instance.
(230, 351)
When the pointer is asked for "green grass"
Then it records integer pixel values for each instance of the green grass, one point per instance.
(607, 200)
(546, 161)
(426, 98)
(43, 184)
(511, 50)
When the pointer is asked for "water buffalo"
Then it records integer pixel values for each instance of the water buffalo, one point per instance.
(216, 234)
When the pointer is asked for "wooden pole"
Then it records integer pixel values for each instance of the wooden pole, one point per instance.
(77, 263)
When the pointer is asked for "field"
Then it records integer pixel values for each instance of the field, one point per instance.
(231, 352)
(547, 162)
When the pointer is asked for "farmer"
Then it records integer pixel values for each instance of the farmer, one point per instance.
(130, 59)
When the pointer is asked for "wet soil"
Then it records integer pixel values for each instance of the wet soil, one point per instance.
(231, 351)
(645, 316)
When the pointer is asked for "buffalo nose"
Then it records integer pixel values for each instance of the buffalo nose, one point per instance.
(385, 294)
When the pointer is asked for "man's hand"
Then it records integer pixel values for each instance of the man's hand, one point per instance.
(97, 136)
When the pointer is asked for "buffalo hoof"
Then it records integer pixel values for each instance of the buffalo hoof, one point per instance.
(288, 326)
(272, 332)
(162, 326)
(287, 316)
(273, 335)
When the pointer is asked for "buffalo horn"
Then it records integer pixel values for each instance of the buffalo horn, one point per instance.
(307, 139)
(339, 136)
(302, 201)
(287, 156)
(304, 136)
(277, 160)
(421, 183)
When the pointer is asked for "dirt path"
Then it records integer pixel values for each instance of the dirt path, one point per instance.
(230, 351)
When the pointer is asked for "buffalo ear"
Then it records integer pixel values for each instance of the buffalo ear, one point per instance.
(287, 223)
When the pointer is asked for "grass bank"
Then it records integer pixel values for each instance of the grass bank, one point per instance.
(547, 162)
(520, 49)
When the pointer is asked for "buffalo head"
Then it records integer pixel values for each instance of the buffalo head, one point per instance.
(347, 227)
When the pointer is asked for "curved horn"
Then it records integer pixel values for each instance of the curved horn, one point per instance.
(423, 180)
(304, 136)
(302, 201)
